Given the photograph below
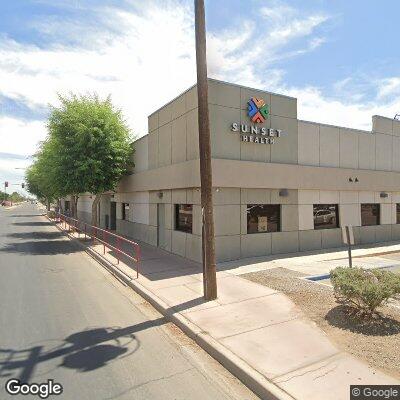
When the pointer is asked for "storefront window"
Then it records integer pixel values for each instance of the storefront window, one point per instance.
(184, 217)
(326, 216)
(397, 213)
(263, 218)
(370, 214)
(125, 211)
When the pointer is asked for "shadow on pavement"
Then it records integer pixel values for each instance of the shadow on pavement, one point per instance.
(189, 304)
(26, 215)
(82, 351)
(93, 358)
(36, 235)
(343, 317)
(33, 223)
(36, 247)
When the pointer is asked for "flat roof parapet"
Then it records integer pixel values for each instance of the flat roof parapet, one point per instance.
(225, 83)
(335, 126)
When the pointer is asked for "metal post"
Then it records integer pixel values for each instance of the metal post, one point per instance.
(209, 276)
(350, 259)
(349, 246)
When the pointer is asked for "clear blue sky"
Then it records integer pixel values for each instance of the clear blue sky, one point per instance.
(360, 36)
(339, 58)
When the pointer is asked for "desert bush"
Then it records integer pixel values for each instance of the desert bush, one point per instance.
(364, 289)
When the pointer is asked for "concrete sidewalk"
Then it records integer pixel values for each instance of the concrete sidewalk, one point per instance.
(255, 332)
(319, 262)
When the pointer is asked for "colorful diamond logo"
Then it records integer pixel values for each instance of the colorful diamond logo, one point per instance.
(257, 110)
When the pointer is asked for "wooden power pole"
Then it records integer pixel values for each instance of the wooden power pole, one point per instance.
(209, 268)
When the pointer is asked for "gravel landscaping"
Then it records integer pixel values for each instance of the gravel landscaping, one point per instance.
(375, 341)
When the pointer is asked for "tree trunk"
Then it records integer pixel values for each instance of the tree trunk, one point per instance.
(76, 207)
(48, 204)
(74, 203)
(95, 203)
(72, 206)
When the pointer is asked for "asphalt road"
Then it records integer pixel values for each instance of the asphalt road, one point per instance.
(63, 317)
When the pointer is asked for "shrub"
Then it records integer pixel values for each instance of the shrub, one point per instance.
(364, 289)
(51, 214)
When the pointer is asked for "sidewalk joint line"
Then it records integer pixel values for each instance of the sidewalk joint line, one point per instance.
(256, 329)
(251, 298)
(276, 378)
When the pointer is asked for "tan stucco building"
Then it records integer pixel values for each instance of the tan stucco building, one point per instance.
(280, 184)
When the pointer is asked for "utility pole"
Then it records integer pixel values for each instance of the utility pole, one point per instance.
(209, 267)
(5, 191)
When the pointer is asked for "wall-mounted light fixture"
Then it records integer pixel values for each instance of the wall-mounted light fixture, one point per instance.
(356, 180)
(283, 193)
(217, 189)
(350, 179)
(160, 195)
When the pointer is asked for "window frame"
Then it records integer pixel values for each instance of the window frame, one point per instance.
(378, 205)
(324, 207)
(278, 223)
(178, 226)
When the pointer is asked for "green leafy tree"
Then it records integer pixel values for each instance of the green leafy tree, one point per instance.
(3, 196)
(42, 176)
(93, 147)
(15, 197)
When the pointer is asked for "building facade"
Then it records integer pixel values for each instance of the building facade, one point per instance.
(280, 184)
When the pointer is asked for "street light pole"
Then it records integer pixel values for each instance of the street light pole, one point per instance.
(209, 267)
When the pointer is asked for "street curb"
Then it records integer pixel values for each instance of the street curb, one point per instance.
(254, 380)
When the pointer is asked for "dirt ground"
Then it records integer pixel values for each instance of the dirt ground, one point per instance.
(375, 341)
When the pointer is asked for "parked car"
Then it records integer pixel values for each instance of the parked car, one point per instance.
(324, 217)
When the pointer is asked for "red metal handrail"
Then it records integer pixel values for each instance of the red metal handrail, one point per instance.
(93, 232)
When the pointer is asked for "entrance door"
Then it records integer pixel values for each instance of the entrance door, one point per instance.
(161, 225)
(113, 215)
